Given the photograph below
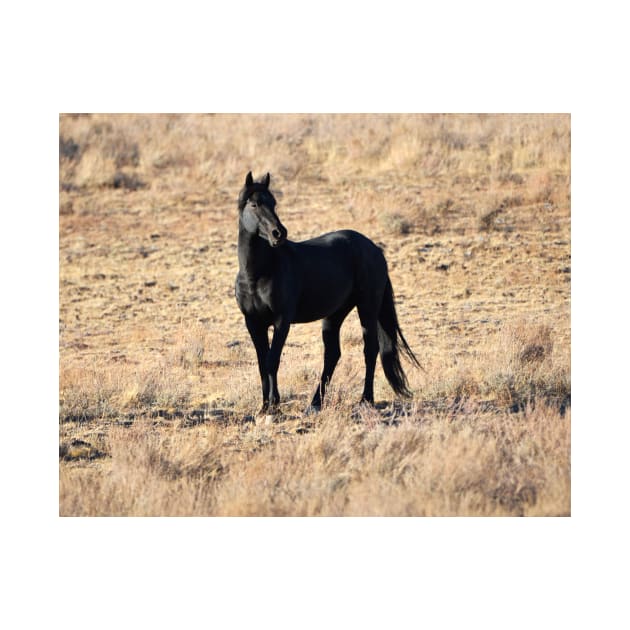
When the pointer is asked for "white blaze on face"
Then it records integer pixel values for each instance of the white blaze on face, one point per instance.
(249, 221)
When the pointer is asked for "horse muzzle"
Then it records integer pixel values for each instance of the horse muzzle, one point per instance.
(277, 236)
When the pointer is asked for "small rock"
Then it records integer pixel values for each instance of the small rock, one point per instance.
(266, 420)
(78, 449)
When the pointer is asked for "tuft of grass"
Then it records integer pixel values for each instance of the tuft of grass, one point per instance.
(396, 224)
(517, 368)
(109, 392)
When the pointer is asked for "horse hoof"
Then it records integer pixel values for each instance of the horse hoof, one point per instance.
(312, 410)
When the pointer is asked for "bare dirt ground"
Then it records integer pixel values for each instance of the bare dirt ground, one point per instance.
(158, 378)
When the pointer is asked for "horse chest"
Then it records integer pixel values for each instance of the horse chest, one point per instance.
(255, 296)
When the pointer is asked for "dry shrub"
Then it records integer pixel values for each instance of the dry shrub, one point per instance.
(105, 391)
(440, 468)
(305, 147)
(167, 453)
(189, 350)
(530, 370)
(423, 464)
(154, 388)
(150, 472)
(87, 393)
(519, 366)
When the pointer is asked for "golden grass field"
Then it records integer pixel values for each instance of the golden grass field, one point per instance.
(158, 382)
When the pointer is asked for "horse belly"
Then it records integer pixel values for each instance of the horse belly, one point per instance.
(322, 301)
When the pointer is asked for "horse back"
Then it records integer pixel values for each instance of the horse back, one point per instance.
(334, 270)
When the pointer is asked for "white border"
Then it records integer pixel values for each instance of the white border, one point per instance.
(543, 56)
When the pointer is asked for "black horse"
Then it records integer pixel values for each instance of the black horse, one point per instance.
(280, 283)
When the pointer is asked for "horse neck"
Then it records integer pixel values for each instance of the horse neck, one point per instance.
(255, 255)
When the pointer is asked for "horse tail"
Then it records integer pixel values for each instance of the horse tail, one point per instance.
(392, 343)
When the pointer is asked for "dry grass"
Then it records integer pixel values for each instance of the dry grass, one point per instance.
(456, 460)
(158, 384)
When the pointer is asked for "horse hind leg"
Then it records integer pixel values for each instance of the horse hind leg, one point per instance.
(332, 352)
(368, 315)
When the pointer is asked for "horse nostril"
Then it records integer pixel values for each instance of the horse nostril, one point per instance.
(276, 233)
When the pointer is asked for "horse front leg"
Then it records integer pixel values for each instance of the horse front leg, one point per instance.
(280, 332)
(260, 339)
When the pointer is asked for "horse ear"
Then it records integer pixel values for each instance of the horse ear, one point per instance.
(249, 180)
(266, 180)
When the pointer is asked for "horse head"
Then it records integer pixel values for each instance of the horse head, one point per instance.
(257, 211)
